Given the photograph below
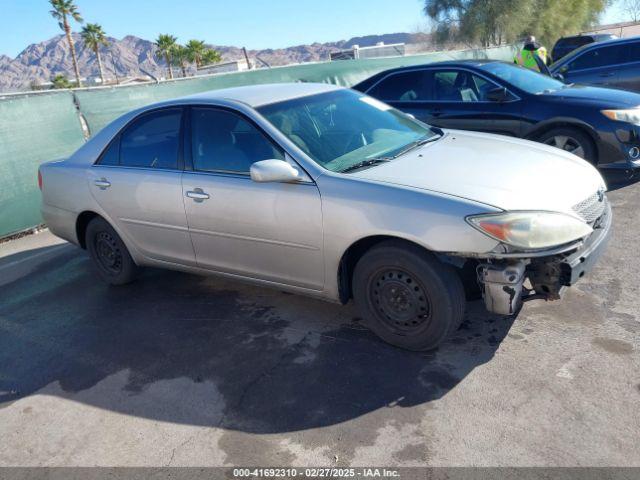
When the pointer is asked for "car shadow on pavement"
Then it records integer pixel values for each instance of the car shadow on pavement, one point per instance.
(265, 361)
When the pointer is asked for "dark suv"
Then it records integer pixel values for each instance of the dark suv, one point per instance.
(568, 44)
(614, 63)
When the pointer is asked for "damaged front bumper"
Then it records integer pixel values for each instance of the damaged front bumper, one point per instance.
(502, 277)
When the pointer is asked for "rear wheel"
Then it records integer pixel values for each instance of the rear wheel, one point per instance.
(408, 297)
(109, 253)
(571, 140)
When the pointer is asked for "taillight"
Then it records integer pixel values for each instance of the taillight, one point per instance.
(39, 180)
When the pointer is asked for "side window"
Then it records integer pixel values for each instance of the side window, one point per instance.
(111, 156)
(222, 141)
(599, 57)
(459, 86)
(152, 141)
(634, 52)
(402, 87)
(482, 87)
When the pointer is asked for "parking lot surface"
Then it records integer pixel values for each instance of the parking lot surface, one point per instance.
(182, 370)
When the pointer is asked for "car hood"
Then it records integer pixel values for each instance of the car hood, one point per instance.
(502, 172)
(604, 97)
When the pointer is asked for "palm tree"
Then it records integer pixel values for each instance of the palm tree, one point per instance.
(180, 58)
(62, 10)
(165, 46)
(195, 51)
(210, 56)
(93, 37)
(60, 81)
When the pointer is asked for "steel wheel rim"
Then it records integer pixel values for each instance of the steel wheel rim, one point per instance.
(399, 300)
(566, 143)
(108, 253)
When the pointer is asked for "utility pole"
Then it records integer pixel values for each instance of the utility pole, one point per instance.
(115, 69)
(246, 57)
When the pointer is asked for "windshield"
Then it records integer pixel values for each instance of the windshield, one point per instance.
(523, 78)
(343, 128)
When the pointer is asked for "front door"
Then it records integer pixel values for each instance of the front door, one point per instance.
(267, 231)
(459, 101)
(137, 181)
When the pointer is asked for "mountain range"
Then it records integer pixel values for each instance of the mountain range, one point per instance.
(132, 56)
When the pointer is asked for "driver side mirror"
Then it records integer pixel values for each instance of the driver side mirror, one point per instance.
(498, 94)
(273, 171)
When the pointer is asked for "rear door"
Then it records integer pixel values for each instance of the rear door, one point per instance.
(137, 181)
(599, 65)
(408, 91)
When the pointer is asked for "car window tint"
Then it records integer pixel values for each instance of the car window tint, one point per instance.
(570, 42)
(152, 141)
(633, 52)
(402, 87)
(458, 86)
(222, 141)
(111, 156)
(599, 57)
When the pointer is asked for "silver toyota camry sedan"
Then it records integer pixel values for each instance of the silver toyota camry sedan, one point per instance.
(327, 192)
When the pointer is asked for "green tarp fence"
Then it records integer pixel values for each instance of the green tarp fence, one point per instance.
(36, 128)
(33, 129)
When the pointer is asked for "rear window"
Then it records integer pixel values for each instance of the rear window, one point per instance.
(573, 42)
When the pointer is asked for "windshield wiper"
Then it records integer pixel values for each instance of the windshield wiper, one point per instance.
(416, 144)
(365, 163)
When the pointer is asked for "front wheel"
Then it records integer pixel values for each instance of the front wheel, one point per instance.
(408, 297)
(571, 140)
(109, 253)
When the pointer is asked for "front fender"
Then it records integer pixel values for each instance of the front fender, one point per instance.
(354, 209)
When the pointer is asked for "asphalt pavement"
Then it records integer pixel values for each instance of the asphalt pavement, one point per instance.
(183, 370)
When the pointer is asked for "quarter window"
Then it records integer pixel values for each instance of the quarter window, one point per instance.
(111, 156)
(152, 141)
(222, 141)
(599, 57)
(402, 87)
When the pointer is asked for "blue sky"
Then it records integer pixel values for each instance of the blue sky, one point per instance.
(252, 23)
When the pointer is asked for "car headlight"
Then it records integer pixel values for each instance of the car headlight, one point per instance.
(531, 230)
(631, 115)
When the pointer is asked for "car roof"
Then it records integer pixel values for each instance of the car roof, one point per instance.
(470, 62)
(448, 63)
(263, 94)
(586, 35)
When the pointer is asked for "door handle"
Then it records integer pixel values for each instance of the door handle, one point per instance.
(198, 195)
(103, 183)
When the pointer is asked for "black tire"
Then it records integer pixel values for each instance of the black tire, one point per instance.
(407, 296)
(109, 253)
(577, 142)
